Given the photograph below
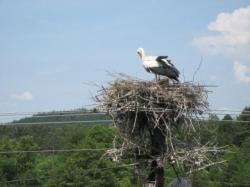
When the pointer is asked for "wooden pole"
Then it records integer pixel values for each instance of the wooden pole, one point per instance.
(156, 176)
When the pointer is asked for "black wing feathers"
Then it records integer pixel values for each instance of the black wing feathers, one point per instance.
(161, 57)
(171, 69)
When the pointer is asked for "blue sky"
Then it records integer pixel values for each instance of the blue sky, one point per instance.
(49, 50)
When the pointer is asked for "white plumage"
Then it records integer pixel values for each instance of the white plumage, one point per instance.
(159, 65)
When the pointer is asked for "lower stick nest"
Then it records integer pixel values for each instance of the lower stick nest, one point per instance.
(156, 119)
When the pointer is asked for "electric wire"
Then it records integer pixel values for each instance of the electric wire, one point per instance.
(66, 150)
(110, 121)
(106, 114)
(52, 150)
(63, 115)
(59, 122)
(90, 112)
(51, 113)
(214, 182)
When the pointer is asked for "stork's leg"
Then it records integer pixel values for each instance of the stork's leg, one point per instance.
(156, 77)
(159, 77)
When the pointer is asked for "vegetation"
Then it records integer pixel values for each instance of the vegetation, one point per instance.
(81, 161)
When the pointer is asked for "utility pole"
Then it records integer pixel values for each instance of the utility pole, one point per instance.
(157, 122)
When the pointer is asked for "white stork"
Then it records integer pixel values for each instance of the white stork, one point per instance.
(159, 65)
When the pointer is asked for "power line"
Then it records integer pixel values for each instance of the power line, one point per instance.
(59, 122)
(52, 150)
(62, 115)
(105, 113)
(229, 183)
(51, 113)
(90, 112)
(110, 121)
(231, 110)
(51, 116)
(231, 114)
(63, 150)
(217, 182)
(83, 110)
(233, 121)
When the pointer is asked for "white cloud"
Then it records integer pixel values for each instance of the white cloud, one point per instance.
(24, 96)
(242, 72)
(229, 34)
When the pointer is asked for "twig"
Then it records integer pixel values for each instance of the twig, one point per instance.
(199, 66)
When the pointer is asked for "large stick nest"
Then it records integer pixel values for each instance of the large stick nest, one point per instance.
(156, 118)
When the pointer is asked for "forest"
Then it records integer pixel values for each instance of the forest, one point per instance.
(73, 154)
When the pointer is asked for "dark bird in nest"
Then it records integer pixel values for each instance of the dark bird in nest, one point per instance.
(159, 65)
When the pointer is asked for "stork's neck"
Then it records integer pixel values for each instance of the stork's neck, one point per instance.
(142, 55)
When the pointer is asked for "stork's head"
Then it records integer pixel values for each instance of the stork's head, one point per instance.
(140, 52)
